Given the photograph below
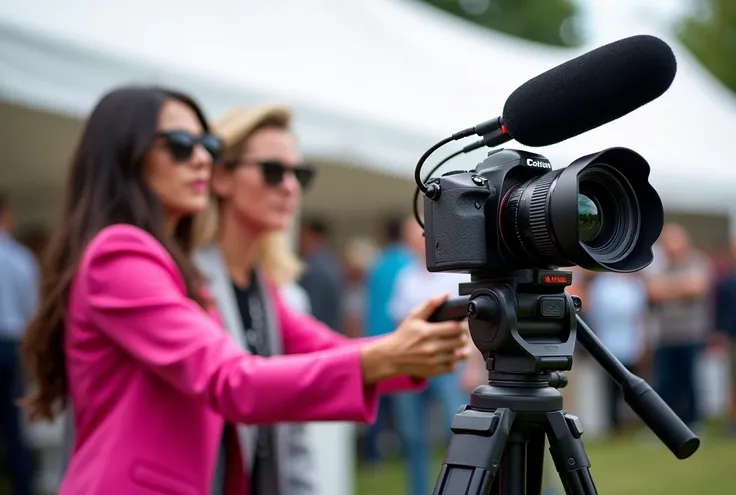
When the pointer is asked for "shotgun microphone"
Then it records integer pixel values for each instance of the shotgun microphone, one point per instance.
(582, 94)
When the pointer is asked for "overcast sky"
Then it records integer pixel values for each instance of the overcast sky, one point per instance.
(605, 20)
(665, 10)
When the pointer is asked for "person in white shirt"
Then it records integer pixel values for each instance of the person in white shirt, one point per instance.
(415, 283)
(616, 311)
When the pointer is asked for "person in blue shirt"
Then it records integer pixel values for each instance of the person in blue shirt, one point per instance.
(411, 409)
(380, 282)
(19, 294)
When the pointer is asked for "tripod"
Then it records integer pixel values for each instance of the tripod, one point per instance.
(525, 325)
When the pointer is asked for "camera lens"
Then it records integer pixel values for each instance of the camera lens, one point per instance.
(589, 218)
(600, 213)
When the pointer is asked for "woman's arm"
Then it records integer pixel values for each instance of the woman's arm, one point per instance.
(304, 334)
(136, 298)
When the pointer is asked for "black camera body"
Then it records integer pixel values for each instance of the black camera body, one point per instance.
(459, 229)
(515, 212)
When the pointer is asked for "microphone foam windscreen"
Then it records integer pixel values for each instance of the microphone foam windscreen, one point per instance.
(589, 91)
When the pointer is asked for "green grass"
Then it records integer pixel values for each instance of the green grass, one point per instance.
(627, 466)
(620, 467)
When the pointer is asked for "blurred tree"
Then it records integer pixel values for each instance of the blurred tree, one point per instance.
(547, 21)
(709, 32)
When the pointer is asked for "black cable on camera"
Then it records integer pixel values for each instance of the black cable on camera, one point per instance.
(430, 192)
(429, 176)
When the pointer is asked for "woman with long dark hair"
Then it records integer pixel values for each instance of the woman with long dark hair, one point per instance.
(127, 332)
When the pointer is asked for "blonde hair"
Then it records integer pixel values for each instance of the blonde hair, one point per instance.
(275, 256)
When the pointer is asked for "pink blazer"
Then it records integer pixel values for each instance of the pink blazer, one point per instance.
(152, 376)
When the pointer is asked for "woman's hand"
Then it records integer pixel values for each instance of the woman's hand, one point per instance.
(417, 348)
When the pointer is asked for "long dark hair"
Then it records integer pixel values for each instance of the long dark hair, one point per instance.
(105, 187)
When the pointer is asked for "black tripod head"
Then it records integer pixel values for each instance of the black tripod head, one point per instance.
(526, 325)
(523, 322)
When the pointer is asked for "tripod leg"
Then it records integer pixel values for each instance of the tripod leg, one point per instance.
(475, 452)
(568, 453)
(535, 462)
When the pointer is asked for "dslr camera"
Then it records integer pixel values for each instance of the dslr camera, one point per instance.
(512, 222)
(514, 212)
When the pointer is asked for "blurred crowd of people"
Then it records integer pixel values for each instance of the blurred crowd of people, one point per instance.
(660, 322)
(657, 322)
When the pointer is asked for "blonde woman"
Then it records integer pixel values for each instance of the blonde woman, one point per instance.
(248, 263)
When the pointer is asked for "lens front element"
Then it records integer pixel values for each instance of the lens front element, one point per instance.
(589, 219)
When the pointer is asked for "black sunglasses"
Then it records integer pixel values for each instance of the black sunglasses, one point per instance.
(181, 144)
(274, 171)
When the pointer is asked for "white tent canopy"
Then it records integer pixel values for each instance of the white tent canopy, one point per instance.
(375, 83)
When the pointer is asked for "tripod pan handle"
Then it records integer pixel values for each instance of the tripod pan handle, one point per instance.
(645, 402)
(454, 309)
(661, 419)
